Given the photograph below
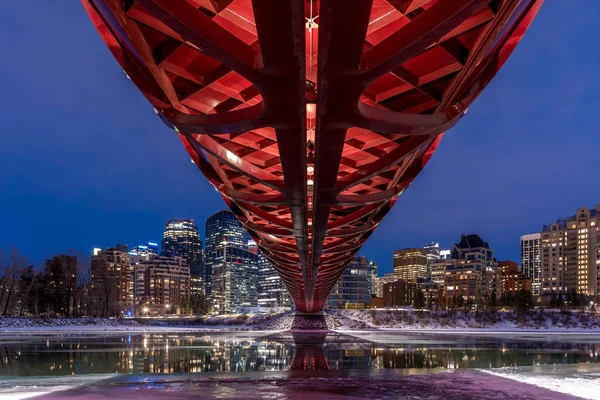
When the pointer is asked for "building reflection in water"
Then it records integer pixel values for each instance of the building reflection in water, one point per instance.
(290, 350)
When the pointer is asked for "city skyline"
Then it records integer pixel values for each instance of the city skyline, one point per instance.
(387, 263)
(72, 198)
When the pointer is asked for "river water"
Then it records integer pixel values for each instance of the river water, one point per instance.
(75, 359)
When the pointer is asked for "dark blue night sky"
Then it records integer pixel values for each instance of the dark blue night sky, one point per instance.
(84, 161)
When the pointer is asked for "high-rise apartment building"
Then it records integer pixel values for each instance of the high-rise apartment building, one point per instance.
(410, 264)
(354, 286)
(220, 227)
(181, 239)
(571, 254)
(111, 281)
(471, 272)
(161, 285)
(271, 290)
(531, 260)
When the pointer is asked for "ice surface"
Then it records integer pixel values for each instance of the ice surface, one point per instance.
(582, 380)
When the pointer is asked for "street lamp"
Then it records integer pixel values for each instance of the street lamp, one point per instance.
(145, 310)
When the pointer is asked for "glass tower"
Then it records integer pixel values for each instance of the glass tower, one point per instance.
(224, 233)
(354, 286)
(181, 239)
(271, 290)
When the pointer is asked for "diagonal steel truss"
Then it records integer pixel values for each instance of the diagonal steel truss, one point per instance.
(311, 117)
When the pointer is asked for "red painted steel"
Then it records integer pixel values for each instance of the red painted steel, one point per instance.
(311, 117)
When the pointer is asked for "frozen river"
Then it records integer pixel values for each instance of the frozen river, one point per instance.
(37, 363)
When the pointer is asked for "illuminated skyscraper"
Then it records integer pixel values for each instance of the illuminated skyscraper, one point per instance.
(410, 264)
(231, 269)
(181, 239)
(433, 255)
(353, 288)
(271, 290)
(571, 254)
(531, 260)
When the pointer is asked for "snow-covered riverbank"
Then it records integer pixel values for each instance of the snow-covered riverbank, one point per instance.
(341, 320)
(561, 321)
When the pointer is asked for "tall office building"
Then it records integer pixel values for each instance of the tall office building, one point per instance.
(271, 290)
(531, 260)
(220, 227)
(433, 255)
(234, 279)
(571, 254)
(111, 281)
(161, 285)
(373, 283)
(433, 251)
(410, 264)
(181, 239)
(352, 289)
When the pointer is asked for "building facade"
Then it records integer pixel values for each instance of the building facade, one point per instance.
(111, 281)
(512, 277)
(410, 264)
(531, 260)
(220, 227)
(234, 279)
(382, 280)
(394, 293)
(374, 272)
(271, 290)
(571, 254)
(354, 286)
(433, 254)
(161, 285)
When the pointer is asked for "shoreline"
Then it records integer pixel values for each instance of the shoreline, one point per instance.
(86, 329)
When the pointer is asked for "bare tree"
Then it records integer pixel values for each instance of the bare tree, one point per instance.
(103, 288)
(11, 267)
(80, 283)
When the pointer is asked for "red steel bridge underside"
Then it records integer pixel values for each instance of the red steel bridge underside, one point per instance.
(311, 117)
